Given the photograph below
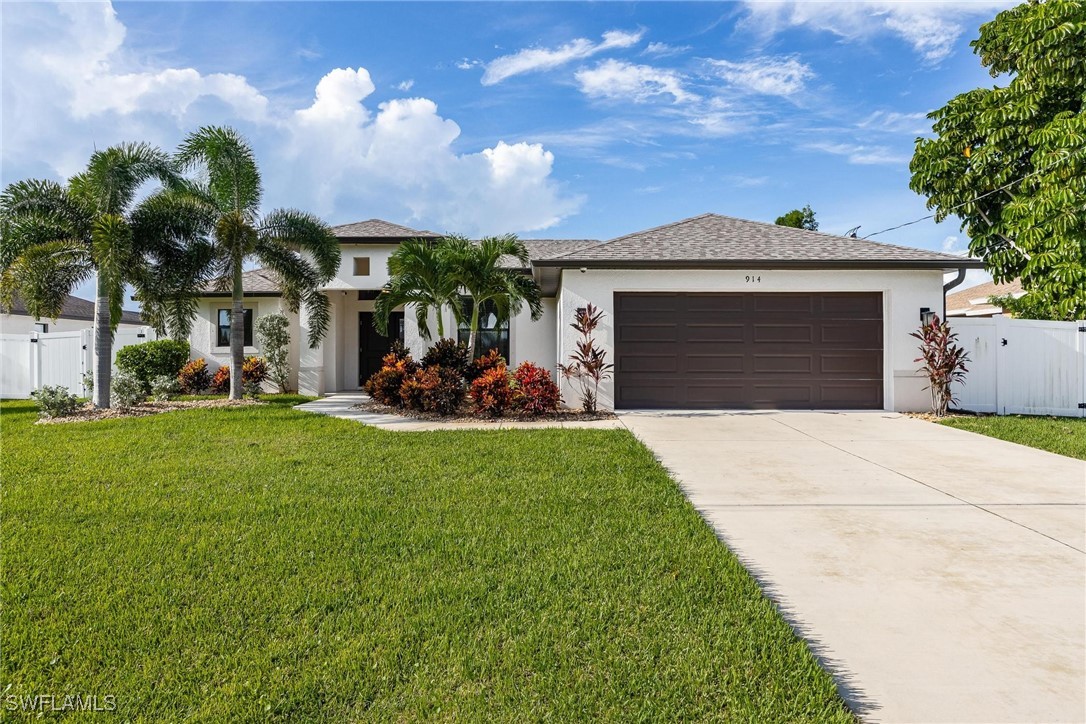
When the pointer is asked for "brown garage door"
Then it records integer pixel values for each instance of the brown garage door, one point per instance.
(721, 351)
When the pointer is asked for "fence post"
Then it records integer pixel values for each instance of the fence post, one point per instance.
(1080, 348)
(1002, 340)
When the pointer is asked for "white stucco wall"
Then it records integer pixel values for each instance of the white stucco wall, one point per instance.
(904, 293)
(22, 324)
(202, 340)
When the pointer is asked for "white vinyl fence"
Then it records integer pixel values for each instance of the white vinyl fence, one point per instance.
(1022, 366)
(31, 361)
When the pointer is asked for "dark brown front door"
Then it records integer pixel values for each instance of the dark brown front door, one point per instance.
(748, 350)
(373, 346)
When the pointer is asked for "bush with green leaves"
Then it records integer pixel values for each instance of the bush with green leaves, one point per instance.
(164, 388)
(55, 401)
(273, 336)
(153, 359)
(127, 390)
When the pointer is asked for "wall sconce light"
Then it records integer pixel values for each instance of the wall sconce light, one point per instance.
(926, 315)
(584, 269)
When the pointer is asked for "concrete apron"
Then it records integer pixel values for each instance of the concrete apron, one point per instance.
(940, 575)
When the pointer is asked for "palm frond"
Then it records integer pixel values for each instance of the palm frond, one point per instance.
(302, 232)
(114, 176)
(44, 275)
(233, 179)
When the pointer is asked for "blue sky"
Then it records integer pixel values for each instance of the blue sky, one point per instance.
(567, 119)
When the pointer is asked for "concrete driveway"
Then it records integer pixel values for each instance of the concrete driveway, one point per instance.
(940, 575)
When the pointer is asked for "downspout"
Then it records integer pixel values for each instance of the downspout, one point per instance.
(950, 285)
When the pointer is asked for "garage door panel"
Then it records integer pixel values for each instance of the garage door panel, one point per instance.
(866, 364)
(649, 332)
(715, 364)
(861, 334)
(781, 363)
(780, 303)
(749, 350)
(792, 333)
(854, 306)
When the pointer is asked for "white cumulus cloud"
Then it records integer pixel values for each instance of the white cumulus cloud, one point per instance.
(535, 59)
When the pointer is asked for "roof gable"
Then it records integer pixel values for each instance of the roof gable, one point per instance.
(378, 230)
(717, 240)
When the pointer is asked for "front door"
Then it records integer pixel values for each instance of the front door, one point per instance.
(373, 346)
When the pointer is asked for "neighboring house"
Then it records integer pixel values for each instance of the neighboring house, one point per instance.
(973, 302)
(708, 312)
(76, 314)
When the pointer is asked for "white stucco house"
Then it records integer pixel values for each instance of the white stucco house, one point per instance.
(710, 312)
(76, 314)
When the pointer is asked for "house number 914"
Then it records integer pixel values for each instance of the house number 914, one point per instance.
(753, 279)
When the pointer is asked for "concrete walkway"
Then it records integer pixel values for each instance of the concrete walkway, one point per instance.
(340, 405)
(940, 574)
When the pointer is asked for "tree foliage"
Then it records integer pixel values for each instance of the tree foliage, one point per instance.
(799, 219)
(1010, 161)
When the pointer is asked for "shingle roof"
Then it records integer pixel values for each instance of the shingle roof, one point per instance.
(713, 238)
(548, 248)
(76, 308)
(973, 301)
(379, 229)
(257, 281)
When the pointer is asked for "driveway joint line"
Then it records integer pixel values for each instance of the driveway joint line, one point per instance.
(928, 485)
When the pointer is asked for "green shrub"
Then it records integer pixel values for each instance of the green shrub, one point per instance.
(126, 390)
(164, 387)
(153, 359)
(55, 401)
(273, 335)
(194, 377)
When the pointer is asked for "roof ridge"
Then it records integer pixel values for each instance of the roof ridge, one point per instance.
(643, 231)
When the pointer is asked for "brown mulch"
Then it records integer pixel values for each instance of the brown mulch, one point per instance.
(89, 412)
(467, 415)
(931, 417)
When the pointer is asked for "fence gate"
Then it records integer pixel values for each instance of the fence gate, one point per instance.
(1023, 366)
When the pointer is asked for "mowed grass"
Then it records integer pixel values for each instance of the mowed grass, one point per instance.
(1062, 435)
(261, 563)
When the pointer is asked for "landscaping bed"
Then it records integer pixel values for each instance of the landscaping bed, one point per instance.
(467, 414)
(89, 412)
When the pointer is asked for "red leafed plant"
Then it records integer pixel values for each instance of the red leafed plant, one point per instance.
(944, 362)
(487, 362)
(588, 365)
(433, 389)
(194, 377)
(384, 386)
(534, 392)
(492, 391)
(253, 372)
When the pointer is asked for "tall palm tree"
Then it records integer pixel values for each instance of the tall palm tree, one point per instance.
(298, 248)
(482, 269)
(55, 236)
(418, 276)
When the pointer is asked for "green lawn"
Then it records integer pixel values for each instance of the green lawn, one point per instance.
(262, 563)
(1063, 435)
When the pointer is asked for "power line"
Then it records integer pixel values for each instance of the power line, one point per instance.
(1004, 187)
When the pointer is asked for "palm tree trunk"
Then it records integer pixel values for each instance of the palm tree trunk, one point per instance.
(473, 335)
(103, 345)
(440, 324)
(237, 338)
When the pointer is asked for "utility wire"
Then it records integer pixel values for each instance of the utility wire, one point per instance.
(1004, 187)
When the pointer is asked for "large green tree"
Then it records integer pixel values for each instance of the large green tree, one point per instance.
(419, 276)
(492, 270)
(55, 236)
(297, 248)
(799, 219)
(1010, 160)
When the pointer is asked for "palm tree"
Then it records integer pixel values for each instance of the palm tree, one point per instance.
(298, 248)
(53, 237)
(482, 270)
(419, 276)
